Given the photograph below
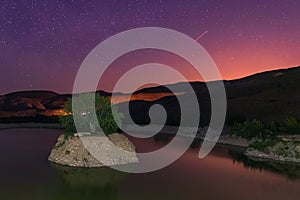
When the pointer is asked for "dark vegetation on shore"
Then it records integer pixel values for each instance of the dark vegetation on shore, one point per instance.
(256, 129)
(279, 141)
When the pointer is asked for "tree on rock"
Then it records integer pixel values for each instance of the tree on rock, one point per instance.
(86, 107)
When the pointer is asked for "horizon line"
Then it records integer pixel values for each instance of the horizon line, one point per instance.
(192, 81)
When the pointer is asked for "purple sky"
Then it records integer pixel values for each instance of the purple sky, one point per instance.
(42, 43)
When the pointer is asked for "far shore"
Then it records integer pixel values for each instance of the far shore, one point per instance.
(168, 130)
(30, 125)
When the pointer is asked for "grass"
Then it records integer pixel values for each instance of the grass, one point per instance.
(251, 129)
(292, 125)
(262, 145)
(256, 129)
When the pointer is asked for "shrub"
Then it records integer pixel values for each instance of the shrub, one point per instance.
(291, 125)
(262, 145)
(104, 112)
(250, 129)
(273, 126)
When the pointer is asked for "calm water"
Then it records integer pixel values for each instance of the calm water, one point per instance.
(224, 174)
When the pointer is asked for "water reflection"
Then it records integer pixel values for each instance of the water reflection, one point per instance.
(83, 183)
(291, 171)
(225, 174)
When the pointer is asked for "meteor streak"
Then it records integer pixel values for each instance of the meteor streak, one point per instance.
(201, 35)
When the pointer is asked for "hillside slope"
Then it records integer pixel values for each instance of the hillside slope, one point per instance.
(266, 96)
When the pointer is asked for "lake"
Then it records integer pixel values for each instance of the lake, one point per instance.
(224, 174)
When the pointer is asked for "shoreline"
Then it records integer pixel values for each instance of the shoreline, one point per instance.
(263, 157)
(167, 131)
(231, 141)
(170, 131)
(30, 125)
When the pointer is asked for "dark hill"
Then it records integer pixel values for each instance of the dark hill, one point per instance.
(272, 95)
(266, 96)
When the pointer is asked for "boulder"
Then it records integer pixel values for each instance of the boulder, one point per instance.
(93, 151)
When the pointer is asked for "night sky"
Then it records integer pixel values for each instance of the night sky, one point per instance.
(43, 43)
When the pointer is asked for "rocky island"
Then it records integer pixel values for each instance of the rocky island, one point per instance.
(72, 151)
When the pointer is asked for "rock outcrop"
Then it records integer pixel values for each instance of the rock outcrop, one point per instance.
(78, 151)
(283, 151)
